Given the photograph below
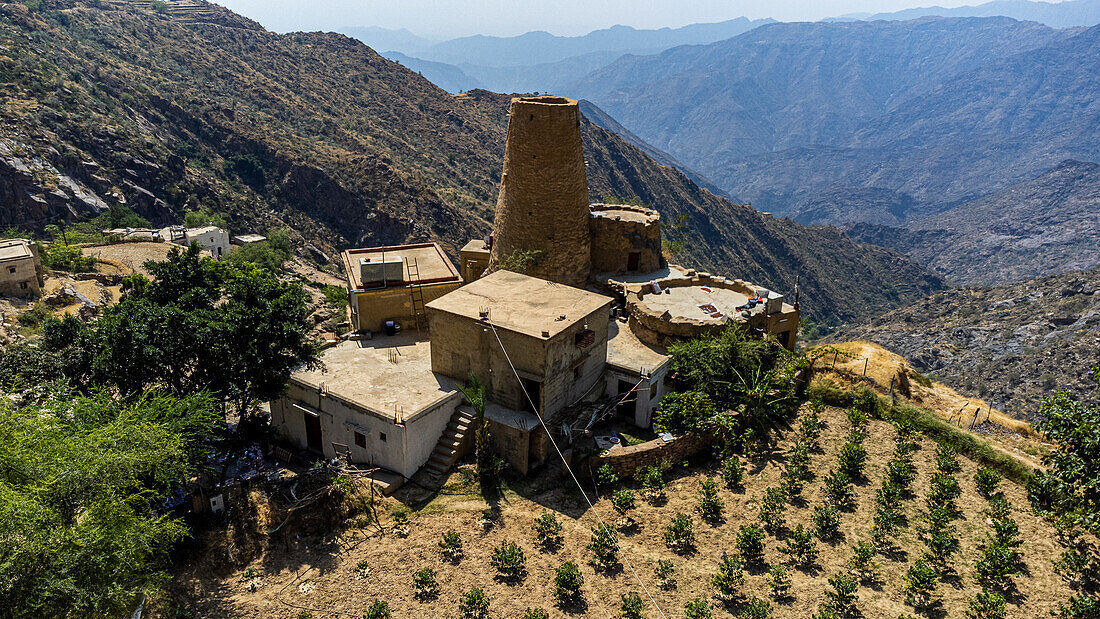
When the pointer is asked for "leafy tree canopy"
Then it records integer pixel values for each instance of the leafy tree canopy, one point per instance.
(1070, 487)
(78, 532)
(197, 325)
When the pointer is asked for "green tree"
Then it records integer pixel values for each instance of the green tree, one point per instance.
(80, 477)
(1070, 487)
(683, 412)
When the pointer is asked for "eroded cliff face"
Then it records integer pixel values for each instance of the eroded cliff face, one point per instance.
(34, 193)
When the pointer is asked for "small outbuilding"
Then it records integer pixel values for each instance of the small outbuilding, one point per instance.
(21, 272)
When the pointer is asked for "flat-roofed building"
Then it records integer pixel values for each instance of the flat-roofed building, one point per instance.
(473, 259)
(20, 269)
(394, 283)
(376, 400)
(635, 374)
(555, 336)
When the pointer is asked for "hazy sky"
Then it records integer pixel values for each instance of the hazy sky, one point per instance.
(451, 18)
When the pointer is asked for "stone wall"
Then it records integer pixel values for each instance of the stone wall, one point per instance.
(543, 201)
(625, 460)
(662, 329)
(620, 230)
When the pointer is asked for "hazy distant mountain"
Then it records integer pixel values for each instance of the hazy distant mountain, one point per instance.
(937, 111)
(446, 76)
(542, 47)
(385, 39)
(1055, 14)
(535, 61)
(1046, 225)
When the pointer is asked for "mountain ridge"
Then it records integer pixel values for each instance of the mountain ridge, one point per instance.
(318, 132)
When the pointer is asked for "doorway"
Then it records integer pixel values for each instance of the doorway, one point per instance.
(313, 432)
(632, 260)
(534, 390)
(629, 402)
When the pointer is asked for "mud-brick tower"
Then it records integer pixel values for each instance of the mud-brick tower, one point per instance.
(543, 202)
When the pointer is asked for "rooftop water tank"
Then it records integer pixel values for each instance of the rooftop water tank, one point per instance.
(379, 272)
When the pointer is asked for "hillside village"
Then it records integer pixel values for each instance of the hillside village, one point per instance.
(484, 358)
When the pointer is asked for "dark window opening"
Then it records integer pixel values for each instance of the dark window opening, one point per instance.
(22, 285)
(584, 338)
(382, 436)
(360, 440)
(577, 372)
(626, 405)
(11, 269)
(534, 395)
(654, 388)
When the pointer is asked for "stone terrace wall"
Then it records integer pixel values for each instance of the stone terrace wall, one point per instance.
(626, 459)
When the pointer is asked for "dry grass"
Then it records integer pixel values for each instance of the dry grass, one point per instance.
(324, 576)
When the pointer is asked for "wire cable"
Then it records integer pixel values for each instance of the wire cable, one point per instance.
(584, 494)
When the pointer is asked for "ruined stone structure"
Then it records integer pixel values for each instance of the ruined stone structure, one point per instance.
(625, 239)
(543, 203)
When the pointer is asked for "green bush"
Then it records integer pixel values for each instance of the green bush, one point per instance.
(336, 296)
(729, 579)
(710, 504)
(535, 613)
(996, 565)
(653, 484)
(840, 597)
(856, 418)
(839, 489)
(425, 584)
(987, 481)
(204, 217)
(750, 543)
(451, 546)
(698, 608)
(772, 508)
(378, 610)
(852, 459)
(631, 607)
(920, 584)
(810, 429)
(1081, 606)
(900, 473)
(683, 412)
(947, 461)
(603, 548)
(60, 257)
(732, 472)
(547, 530)
(779, 582)
(567, 584)
(863, 562)
(605, 476)
(623, 500)
(943, 491)
(755, 609)
(941, 542)
(986, 604)
(474, 604)
(800, 546)
(509, 561)
(679, 534)
(665, 574)
(792, 480)
(826, 520)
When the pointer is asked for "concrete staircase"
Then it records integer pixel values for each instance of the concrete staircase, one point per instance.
(454, 443)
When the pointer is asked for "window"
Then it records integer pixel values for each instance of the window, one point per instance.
(654, 388)
(584, 338)
(11, 269)
(360, 440)
(382, 436)
(22, 285)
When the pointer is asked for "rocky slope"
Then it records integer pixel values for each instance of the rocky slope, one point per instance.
(318, 132)
(1011, 344)
(1047, 225)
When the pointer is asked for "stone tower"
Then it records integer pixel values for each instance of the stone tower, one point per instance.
(543, 202)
